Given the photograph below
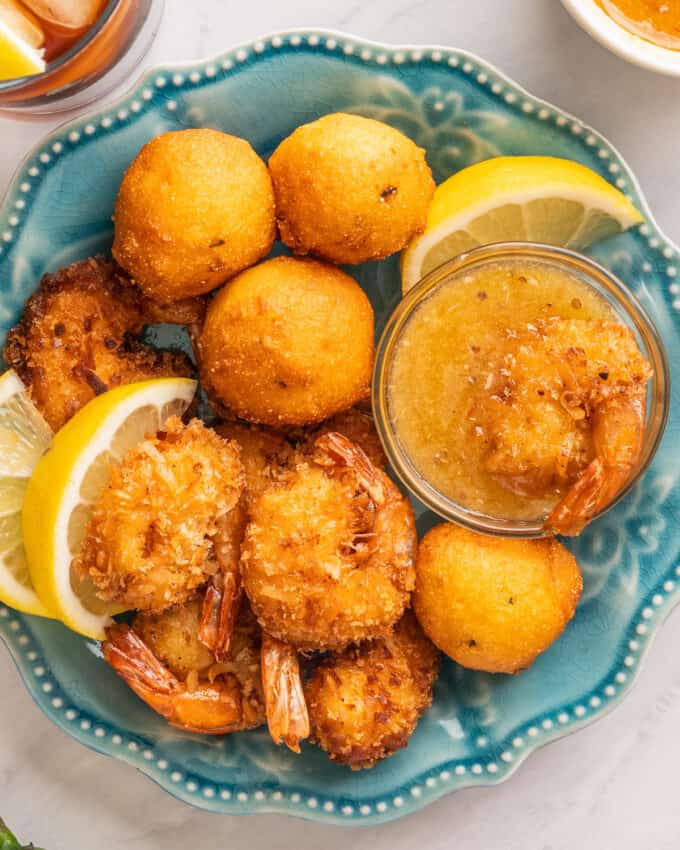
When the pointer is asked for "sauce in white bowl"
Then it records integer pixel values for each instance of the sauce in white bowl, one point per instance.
(644, 32)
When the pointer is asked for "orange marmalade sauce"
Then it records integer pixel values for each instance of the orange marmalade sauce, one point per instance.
(441, 360)
(657, 21)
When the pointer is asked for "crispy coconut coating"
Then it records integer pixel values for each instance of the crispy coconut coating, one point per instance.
(266, 455)
(194, 208)
(154, 533)
(161, 658)
(349, 189)
(548, 392)
(490, 603)
(328, 554)
(357, 425)
(288, 343)
(76, 339)
(172, 636)
(364, 703)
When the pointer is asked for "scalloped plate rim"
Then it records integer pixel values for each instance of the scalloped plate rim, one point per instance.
(285, 807)
(428, 795)
(164, 68)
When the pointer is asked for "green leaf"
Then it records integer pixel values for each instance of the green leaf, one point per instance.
(7, 840)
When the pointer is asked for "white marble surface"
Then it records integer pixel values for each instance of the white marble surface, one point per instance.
(612, 785)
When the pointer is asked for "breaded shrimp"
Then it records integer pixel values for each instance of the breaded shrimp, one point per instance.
(161, 658)
(328, 555)
(364, 703)
(163, 525)
(266, 455)
(357, 425)
(77, 338)
(563, 411)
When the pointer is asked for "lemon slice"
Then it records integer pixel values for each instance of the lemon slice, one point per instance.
(18, 57)
(68, 480)
(517, 198)
(24, 436)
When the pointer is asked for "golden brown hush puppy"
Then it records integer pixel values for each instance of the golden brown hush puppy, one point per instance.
(194, 208)
(349, 189)
(490, 603)
(289, 342)
(364, 703)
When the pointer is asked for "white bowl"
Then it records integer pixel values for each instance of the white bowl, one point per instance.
(614, 37)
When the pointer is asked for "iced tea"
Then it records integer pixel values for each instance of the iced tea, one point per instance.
(80, 42)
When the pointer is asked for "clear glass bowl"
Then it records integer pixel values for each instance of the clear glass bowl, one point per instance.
(108, 52)
(605, 283)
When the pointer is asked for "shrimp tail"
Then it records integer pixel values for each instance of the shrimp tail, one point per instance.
(581, 503)
(218, 615)
(222, 598)
(618, 431)
(134, 662)
(342, 451)
(215, 709)
(285, 704)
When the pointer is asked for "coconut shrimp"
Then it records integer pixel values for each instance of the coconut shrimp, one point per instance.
(162, 659)
(170, 520)
(266, 455)
(328, 555)
(78, 337)
(564, 412)
(365, 702)
(357, 425)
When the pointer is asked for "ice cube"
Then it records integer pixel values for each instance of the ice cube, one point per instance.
(71, 14)
(22, 23)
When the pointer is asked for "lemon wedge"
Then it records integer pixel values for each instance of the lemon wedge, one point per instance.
(516, 198)
(18, 55)
(24, 436)
(68, 480)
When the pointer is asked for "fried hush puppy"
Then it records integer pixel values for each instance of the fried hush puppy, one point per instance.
(76, 339)
(289, 342)
(328, 555)
(349, 189)
(194, 208)
(155, 532)
(162, 659)
(490, 603)
(364, 703)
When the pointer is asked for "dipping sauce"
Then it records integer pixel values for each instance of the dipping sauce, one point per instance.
(657, 21)
(451, 350)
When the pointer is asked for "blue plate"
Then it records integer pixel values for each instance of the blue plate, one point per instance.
(461, 109)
